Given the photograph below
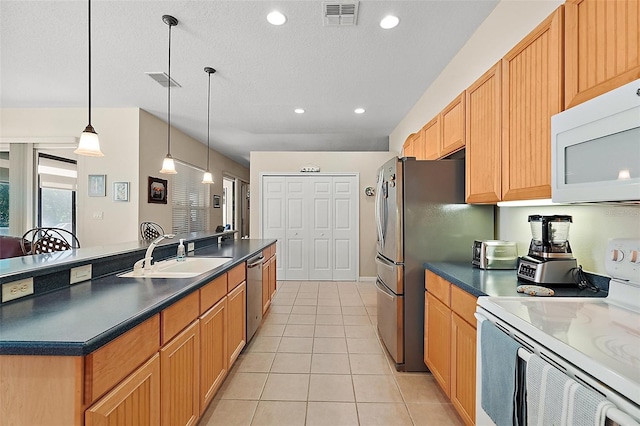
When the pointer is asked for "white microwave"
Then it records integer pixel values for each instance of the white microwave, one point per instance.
(595, 149)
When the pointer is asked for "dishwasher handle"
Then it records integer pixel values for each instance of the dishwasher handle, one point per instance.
(253, 263)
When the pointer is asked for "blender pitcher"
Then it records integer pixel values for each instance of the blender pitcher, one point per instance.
(550, 236)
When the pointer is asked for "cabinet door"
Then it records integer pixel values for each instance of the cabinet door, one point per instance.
(180, 378)
(463, 368)
(602, 50)
(237, 337)
(531, 93)
(266, 299)
(453, 135)
(214, 362)
(272, 277)
(437, 340)
(431, 136)
(407, 147)
(135, 401)
(483, 137)
(418, 146)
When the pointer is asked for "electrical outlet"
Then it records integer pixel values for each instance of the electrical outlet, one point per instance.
(191, 246)
(17, 289)
(79, 274)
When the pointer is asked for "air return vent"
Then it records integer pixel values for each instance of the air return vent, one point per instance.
(162, 79)
(340, 13)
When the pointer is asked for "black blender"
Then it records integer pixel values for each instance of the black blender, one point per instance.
(549, 260)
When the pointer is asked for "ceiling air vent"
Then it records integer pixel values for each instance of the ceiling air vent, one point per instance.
(162, 79)
(340, 13)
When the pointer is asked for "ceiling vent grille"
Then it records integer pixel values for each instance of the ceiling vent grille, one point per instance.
(162, 78)
(340, 13)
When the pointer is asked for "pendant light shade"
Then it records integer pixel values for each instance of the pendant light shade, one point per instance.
(207, 175)
(89, 143)
(168, 166)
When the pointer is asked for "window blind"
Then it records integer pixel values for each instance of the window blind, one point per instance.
(191, 200)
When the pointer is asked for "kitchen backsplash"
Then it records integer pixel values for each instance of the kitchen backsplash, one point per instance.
(592, 226)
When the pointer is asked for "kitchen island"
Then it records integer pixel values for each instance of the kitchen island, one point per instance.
(160, 347)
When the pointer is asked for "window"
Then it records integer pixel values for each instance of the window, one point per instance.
(191, 200)
(57, 183)
(4, 193)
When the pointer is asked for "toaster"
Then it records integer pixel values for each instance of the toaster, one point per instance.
(495, 254)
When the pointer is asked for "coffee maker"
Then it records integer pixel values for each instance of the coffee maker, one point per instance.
(549, 260)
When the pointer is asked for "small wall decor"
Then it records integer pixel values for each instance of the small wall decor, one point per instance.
(157, 191)
(216, 201)
(97, 185)
(120, 191)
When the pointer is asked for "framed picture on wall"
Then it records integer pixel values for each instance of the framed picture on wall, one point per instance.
(157, 191)
(97, 185)
(120, 191)
(216, 201)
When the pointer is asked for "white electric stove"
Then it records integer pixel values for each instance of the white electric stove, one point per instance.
(594, 340)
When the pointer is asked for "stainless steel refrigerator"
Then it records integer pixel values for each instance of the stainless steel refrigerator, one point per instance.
(420, 216)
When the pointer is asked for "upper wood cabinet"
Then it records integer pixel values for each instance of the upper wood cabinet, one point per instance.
(483, 139)
(418, 146)
(407, 147)
(431, 138)
(452, 133)
(602, 49)
(531, 93)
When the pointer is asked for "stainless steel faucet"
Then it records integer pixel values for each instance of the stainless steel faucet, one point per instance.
(138, 266)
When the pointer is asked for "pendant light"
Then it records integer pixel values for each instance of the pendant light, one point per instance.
(168, 167)
(207, 175)
(89, 143)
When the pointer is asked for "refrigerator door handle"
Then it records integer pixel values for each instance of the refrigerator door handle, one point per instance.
(383, 289)
(378, 207)
(385, 263)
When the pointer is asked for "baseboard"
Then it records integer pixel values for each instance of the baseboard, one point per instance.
(367, 279)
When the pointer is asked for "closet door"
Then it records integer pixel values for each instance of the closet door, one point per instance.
(297, 228)
(345, 228)
(321, 228)
(273, 216)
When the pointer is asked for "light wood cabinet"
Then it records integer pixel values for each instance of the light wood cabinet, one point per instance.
(463, 368)
(135, 401)
(214, 360)
(431, 137)
(452, 133)
(407, 147)
(483, 139)
(602, 50)
(180, 378)
(273, 287)
(450, 342)
(531, 93)
(437, 350)
(237, 329)
(269, 269)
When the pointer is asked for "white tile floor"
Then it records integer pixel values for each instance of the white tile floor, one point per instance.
(317, 360)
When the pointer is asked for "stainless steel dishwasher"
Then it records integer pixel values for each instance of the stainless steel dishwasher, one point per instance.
(254, 294)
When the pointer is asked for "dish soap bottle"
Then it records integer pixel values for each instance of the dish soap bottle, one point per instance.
(181, 253)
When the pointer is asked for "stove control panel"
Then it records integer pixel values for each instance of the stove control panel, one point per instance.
(622, 260)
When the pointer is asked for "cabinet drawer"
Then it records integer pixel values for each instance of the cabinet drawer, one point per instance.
(107, 366)
(212, 292)
(179, 315)
(463, 304)
(268, 252)
(236, 276)
(438, 287)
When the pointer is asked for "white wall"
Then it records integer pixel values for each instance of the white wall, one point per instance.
(118, 132)
(511, 21)
(364, 163)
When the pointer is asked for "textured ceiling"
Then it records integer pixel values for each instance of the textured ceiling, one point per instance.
(263, 71)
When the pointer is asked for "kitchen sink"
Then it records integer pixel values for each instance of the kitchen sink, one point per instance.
(190, 267)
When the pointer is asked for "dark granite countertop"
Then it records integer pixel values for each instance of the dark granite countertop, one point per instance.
(80, 318)
(493, 282)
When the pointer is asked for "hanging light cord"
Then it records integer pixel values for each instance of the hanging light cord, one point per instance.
(208, 119)
(169, 99)
(89, 63)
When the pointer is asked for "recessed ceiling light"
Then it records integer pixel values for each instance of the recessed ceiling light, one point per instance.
(298, 111)
(276, 18)
(389, 22)
(359, 110)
